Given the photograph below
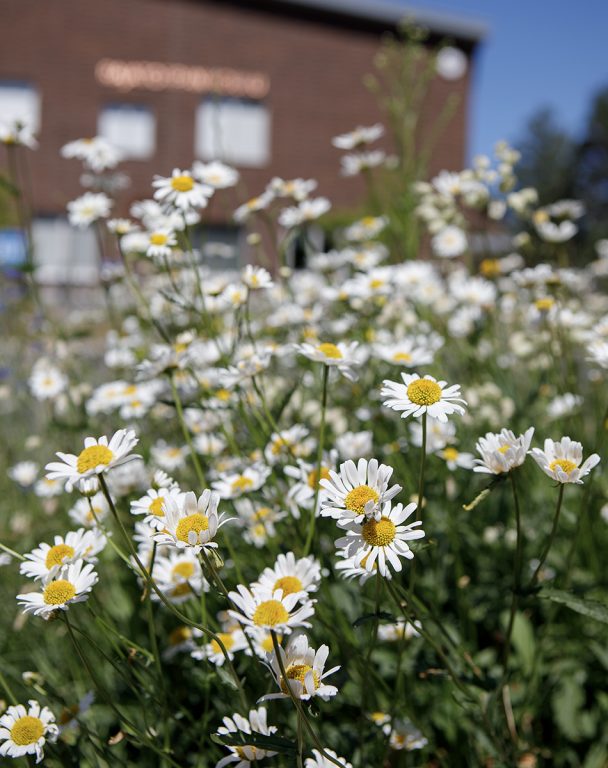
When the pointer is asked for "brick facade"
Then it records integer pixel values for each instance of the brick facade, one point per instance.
(315, 62)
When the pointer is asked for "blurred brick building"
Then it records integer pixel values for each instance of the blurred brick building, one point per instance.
(262, 84)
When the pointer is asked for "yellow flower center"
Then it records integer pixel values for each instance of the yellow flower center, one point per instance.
(289, 584)
(223, 395)
(27, 730)
(450, 454)
(195, 522)
(544, 305)
(313, 478)
(157, 238)
(242, 483)
(357, 498)
(564, 464)
(378, 533)
(402, 357)
(157, 507)
(184, 570)
(278, 444)
(490, 268)
(424, 392)
(57, 554)
(58, 592)
(329, 350)
(180, 635)
(368, 221)
(182, 183)
(504, 448)
(298, 672)
(181, 589)
(92, 457)
(376, 283)
(261, 513)
(226, 639)
(267, 645)
(270, 613)
(248, 755)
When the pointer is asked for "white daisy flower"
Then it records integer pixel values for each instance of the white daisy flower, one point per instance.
(382, 541)
(304, 670)
(259, 203)
(349, 569)
(47, 381)
(256, 278)
(161, 241)
(365, 229)
(46, 488)
(406, 736)
(178, 576)
(408, 353)
(398, 631)
(269, 609)
(45, 561)
(17, 133)
(449, 242)
(190, 522)
(181, 190)
(88, 515)
(502, 452)
(215, 174)
(88, 208)
(258, 520)
(98, 457)
(96, 153)
(298, 189)
(153, 505)
(318, 761)
(291, 575)
(305, 211)
(342, 356)
(288, 443)
(233, 641)
(358, 491)
(244, 755)
(351, 445)
(71, 585)
(24, 473)
(455, 458)
(563, 460)
(230, 486)
(26, 731)
(360, 136)
(417, 396)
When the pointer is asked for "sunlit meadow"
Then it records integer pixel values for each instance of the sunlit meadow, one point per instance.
(351, 515)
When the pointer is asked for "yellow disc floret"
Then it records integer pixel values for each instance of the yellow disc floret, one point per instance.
(313, 478)
(298, 672)
(450, 454)
(27, 730)
(402, 357)
(356, 499)
(196, 523)
(564, 464)
(58, 592)
(158, 238)
(378, 533)
(329, 350)
(183, 570)
(289, 584)
(57, 554)
(242, 483)
(182, 183)
(227, 640)
(270, 613)
(424, 392)
(92, 457)
(157, 507)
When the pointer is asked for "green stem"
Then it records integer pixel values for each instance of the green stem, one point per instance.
(186, 432)
(549, 543)
(313, 514)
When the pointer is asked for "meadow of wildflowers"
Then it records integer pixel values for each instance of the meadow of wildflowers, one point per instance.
(351, 515)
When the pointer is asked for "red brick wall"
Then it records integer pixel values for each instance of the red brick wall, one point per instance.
(315, 68)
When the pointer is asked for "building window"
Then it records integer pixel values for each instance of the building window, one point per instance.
(236, 131)
(20, 102)
(130, 128)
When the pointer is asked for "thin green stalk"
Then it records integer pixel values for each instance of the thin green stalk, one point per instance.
(186, 432)
(516, 578)
(549, 543)
(11, 552)
(418, 512)
(181, 616)
(313, 514)
(8, 690)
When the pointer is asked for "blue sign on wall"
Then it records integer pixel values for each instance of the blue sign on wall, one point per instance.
(12, 247)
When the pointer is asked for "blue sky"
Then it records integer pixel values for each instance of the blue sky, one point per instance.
(537, 53)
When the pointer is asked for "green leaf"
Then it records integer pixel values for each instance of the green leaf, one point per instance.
(591, 608)
(523, 642)
(273, 743)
